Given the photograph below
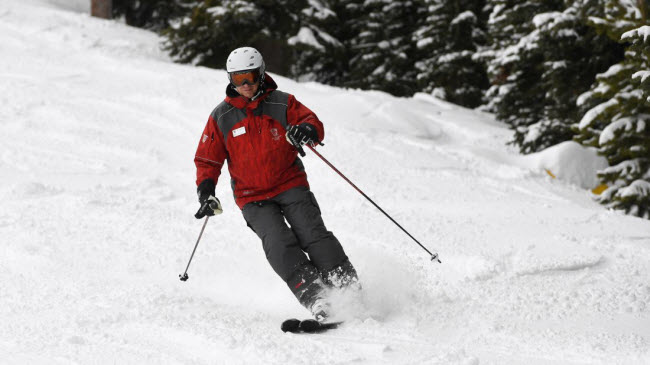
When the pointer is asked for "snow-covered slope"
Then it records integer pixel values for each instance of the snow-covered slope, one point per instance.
(97, 134)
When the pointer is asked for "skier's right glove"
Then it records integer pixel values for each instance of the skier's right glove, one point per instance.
(301, 134)
(209, 204)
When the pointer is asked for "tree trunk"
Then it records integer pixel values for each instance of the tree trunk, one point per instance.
(275, 55)
(101, 8)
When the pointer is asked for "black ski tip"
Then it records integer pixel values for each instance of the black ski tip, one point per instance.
(310, 325)
(294, 325)
(290, 325)
(313, 326)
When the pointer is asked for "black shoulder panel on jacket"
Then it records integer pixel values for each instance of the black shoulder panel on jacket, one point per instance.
(226, 117)
(275, 105)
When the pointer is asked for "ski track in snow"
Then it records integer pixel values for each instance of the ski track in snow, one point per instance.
(98, 131)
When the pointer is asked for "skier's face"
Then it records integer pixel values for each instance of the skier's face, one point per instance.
(248, 91)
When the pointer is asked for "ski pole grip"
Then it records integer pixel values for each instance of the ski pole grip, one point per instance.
(297, 145)
(301, 151)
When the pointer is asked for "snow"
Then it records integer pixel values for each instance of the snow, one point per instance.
(243, 7)
(642, 32)
(554, 19)
(328, 38)
(636, 188)
(595, 112)
(555, 65)
(512, 53)
(496, 14)
(613, 70)
(465, 16)
(568, 33)
(217, 11)
(383, 45)
(630, 167)
(421, 43)
(570, 162)
(584, 97)
(609, 133)
(543, 19)
(98, 131)
(317, 10)
(597, 21)
(306, 36)
(454, 56)
(534, 132)
(643, 75)
(80, 6)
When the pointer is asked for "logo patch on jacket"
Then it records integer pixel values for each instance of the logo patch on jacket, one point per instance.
(205, 138)
(239, 131)
(275, 134)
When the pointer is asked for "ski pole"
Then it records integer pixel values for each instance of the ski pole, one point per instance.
(184, 276)
(434, 256)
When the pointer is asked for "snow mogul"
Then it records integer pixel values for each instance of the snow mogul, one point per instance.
(258, 130)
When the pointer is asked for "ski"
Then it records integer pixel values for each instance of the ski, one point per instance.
(307, 326)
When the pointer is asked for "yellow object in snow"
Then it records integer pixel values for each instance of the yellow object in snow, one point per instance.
(550, 173)
(599, 189)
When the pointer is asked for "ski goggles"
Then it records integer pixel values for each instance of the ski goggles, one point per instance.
(240, 78)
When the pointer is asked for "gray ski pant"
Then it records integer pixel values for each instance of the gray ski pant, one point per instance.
(287, 246)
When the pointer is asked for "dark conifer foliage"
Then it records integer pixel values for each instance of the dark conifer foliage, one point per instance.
(319, 52)
(206, 35)
(538, 77)
(447, 40)
(616, 110)
(150, 14)
(516, 63)
(572, 53)
(383, 50)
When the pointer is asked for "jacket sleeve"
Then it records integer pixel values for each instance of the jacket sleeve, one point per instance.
(298, 114)
(210, 154)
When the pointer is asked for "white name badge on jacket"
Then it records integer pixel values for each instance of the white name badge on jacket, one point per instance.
(239, 131)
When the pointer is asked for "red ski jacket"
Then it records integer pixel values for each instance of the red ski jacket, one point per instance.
(250, 135)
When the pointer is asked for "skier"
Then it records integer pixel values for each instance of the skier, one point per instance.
(256, 129)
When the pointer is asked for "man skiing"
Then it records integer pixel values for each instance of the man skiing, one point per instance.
(258, 129)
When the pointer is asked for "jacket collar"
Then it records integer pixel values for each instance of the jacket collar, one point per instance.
(235, 99)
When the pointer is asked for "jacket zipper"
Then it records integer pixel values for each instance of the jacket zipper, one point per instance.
(256, 122)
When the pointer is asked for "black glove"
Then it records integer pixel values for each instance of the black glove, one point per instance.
(209, 204)
(303, 133)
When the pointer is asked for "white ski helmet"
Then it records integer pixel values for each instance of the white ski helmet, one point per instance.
(245, 58)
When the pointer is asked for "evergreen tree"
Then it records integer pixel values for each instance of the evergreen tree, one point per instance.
(447, 42)
(617, 112)
(383, 48)
(515, 63)
(572, 55)
(215, 27)
(151, 14)
(538, 79)
(318, 54)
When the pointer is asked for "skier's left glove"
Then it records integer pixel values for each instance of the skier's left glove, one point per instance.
(300, 134)
(210, 205)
